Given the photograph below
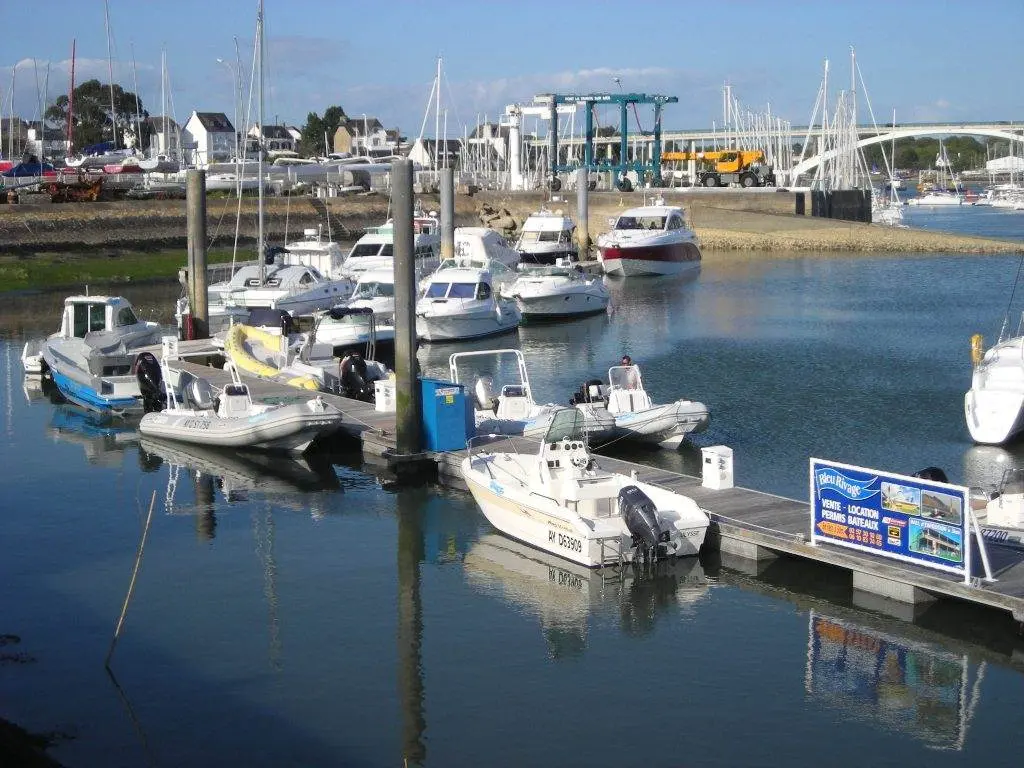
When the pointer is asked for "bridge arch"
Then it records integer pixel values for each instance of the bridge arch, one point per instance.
(906, 133)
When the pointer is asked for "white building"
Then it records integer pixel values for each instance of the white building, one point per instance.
(213, 137)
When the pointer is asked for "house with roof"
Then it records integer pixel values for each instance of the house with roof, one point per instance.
(365, 135)
(447, 153)
(487, 147)
(213, 138)
(276, 138)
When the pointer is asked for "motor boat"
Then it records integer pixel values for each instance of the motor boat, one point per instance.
(650, 240)
(195, 413)
(298, 289)
(557, 291)
(560, 501)
(375, 290)
(937, 198)
(994, 405)
(1001, 513)
(502, 399)
(269, 346)
(636, 417)
(93, 358)
(547, 237)
(314, 250)
(483, 245)
(354, 326)
(462, 301)
(376, 248)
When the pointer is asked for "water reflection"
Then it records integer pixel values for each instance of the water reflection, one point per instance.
(104, 439)
(410, 554)
(911, 687)
(236, 475)
(562, 595)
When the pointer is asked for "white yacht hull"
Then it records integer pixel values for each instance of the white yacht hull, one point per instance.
(473, 325)
(665, 425)
(994, 416)
(560, 305)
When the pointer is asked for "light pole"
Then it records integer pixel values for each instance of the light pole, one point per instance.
(235, 95)
(366, 137)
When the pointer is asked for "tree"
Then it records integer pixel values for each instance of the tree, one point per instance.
(313, 132)
(92, 121)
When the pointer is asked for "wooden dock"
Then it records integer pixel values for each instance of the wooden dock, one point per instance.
(749, 524)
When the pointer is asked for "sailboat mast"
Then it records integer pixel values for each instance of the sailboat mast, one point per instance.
(259, 150)
(437, 118)
(163, 105)
(110, 74)
(71, 103)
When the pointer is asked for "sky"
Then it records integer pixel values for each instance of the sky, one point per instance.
(931, 61)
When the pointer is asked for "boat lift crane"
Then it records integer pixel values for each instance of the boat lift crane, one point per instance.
(620, 169)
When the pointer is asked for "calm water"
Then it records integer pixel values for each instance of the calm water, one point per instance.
(304, 613)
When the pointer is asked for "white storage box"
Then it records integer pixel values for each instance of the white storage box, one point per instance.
(384, 395)
(716, 467)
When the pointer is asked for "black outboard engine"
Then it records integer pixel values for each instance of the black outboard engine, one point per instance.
(932, 473)
(589, 392)
(353, 377)
(151, 382)
(643, 523)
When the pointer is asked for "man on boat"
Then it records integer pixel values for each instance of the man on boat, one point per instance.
(632, 378)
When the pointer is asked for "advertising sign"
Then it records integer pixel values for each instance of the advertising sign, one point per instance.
(902, 517)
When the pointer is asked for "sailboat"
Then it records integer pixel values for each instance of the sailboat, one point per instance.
(273, 282)
(940, 193)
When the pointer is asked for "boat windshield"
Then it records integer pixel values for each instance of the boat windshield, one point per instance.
(369, 249)
(640, 222)
(624, 377)
(548, 270)
(374, 290)
(450, 291)
(551, 236)
(567, 423)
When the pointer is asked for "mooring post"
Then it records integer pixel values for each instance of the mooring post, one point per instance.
(407, 394)
(195, 192)
(447, 213)
(583, 212)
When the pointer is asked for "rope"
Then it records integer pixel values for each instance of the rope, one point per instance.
(1013, 289)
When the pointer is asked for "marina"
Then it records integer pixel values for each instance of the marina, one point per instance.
(558, 434)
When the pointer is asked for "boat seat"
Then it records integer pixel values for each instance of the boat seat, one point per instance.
(199, 394)
(234, 401)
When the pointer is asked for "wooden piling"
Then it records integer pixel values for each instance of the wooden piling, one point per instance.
(195, 205)
(407, 395)
(447, 213)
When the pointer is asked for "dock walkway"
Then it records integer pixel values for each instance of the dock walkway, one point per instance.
(748, 523)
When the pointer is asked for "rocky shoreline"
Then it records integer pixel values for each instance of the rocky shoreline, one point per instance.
(723, 222)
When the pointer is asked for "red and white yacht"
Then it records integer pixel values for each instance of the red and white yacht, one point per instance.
(651, 240)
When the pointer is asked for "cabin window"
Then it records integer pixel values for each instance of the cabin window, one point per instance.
(365, 249)
(306, 279)
(81, 320)
(625, 222)
(462, 291)
(387, 250)
(436, 291)
(483, 291)
(125, 317)
(97, 317)
(549, 237)
(674, 223)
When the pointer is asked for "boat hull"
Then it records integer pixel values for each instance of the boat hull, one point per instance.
(454, 327)
(661, 259)
(290, 428)
(557, 306)
(994, 416)
(664, 425)
(541, 523)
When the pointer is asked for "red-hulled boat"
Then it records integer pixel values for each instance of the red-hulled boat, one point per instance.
(651, 240)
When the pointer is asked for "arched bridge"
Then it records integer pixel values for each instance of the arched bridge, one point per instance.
(996, 131)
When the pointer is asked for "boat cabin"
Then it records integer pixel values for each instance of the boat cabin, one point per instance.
(465, 284)
(657, 218)
(626, 390)
(547, 236)
(96, 314)
(326, 256)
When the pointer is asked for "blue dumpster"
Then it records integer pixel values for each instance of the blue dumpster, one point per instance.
(447, 415)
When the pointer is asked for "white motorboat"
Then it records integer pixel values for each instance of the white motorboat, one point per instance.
(295, 288)
(375, 290)
(557, 291)
(314, 250)
(1001, 514)
(636, 417)
(994, 405)
(195, 413)
(463, 302)
(375, 250)
(937, 198)
(650, 240)
(547, 237)
(351, 327)
(503, 400)
(269, 347)
(560, 501)
(483, 245)
(93, 358)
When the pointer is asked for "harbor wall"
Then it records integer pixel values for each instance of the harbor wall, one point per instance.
(756, 220)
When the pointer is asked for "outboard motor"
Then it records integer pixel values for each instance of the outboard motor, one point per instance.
(642, 521)
(589, 392)
(932, 473)
(151, 382)
(353, 377)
